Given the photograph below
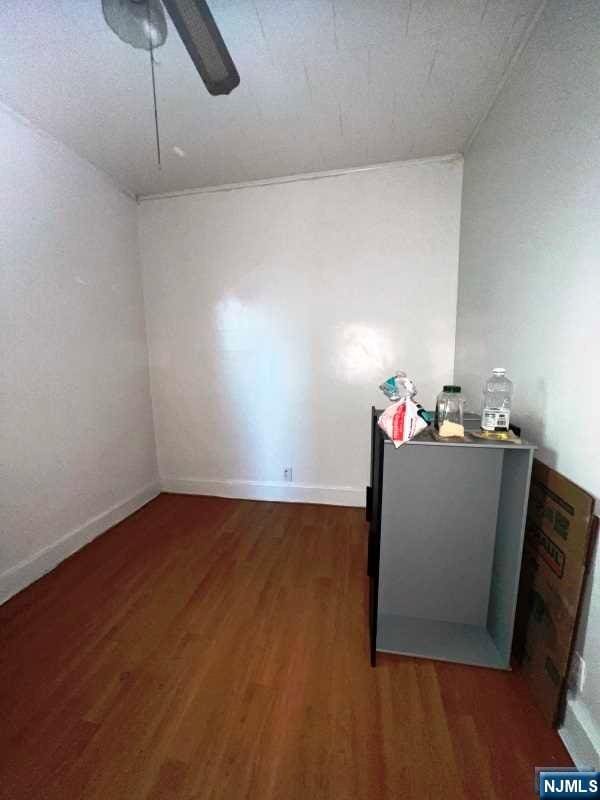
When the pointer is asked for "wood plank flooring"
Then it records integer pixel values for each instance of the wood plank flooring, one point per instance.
(209, 648)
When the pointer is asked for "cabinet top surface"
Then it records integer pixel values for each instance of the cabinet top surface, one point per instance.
(426, 438)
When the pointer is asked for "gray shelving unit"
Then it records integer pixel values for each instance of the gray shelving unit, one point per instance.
(445, 544)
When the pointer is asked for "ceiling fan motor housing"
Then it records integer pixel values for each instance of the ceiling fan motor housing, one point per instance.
(140, 23)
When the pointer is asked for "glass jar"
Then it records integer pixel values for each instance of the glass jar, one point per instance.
(449, 412)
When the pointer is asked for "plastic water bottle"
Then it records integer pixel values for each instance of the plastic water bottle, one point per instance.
(497, 396)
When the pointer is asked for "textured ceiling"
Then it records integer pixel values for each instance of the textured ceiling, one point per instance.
(325, 84)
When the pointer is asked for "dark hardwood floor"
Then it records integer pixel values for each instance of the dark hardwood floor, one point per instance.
(209, 648)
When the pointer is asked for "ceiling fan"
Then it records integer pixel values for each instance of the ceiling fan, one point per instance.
(142, 24)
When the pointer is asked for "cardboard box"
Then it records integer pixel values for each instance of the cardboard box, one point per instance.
(558, 545)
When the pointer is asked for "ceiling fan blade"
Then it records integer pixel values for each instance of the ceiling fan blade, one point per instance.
(204, 43)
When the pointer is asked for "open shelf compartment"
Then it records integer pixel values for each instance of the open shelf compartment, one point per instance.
(448, 557)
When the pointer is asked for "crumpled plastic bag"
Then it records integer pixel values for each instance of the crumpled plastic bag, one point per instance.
(398, 386)
(402, 421)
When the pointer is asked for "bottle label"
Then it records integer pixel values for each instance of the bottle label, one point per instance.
(494, 420)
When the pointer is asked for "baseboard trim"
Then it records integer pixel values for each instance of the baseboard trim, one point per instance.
(580, 735)
(19, 576)
(277, 491)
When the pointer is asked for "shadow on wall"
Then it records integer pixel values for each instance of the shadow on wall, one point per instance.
(533, 424)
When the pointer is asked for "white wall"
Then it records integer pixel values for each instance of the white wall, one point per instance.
(77, 447)
(273, 313)
(530, 272)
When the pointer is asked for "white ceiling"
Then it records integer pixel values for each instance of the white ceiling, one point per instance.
(325, 84)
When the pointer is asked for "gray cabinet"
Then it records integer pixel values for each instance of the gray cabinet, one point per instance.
(446, 536)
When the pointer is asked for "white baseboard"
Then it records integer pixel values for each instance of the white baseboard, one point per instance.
(580, 735)
(30, 569)
(268, 490)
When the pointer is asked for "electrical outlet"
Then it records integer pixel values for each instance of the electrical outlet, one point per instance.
(287, 474)
(577, 675)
